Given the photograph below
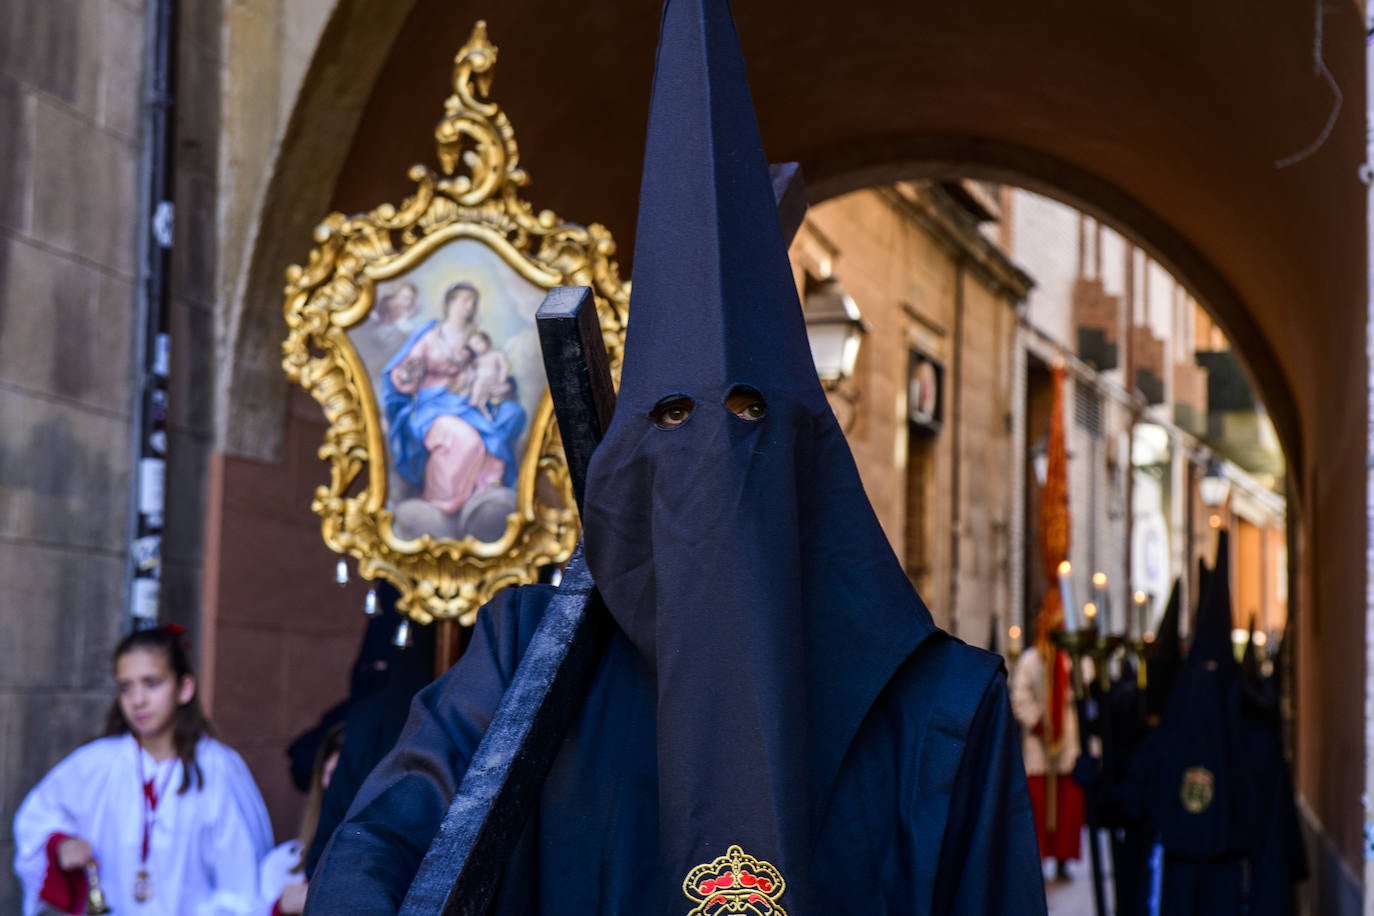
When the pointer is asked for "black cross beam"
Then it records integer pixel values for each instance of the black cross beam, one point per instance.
(465, 860)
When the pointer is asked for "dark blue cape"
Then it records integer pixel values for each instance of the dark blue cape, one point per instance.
(929, 815)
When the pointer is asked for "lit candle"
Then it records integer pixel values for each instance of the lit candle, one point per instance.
(1138, 622)
(1014, 639)
(1090, 615)
(1102, 600)
(1071, 622)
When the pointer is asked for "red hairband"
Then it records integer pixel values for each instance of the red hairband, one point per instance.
(175, 629)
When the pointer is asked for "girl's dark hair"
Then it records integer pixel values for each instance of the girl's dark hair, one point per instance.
(190, 723)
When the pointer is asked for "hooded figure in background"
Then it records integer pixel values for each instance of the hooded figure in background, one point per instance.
(373, 723)
(1201, 785)
(777, 726)
(371, 672)
(1213, 794)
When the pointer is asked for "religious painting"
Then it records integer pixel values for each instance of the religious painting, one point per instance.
(413, 326)
(453, 356)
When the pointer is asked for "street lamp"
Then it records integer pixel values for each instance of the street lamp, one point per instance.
(1214, 486)
(835, 329)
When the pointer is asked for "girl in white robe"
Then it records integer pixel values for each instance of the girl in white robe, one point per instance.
(169, 817)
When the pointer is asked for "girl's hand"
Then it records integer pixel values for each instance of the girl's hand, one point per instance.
(74, 853)
(292, 899)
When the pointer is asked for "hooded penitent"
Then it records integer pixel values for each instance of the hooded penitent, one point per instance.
(726, 525)
(1203, 783)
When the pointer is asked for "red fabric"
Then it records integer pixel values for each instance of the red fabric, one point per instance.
(1067, 837)
(1054, 549)
(150, 796)
(276, 908)
(65, 891)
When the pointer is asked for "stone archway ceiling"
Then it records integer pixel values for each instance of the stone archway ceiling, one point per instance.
(1165, 118)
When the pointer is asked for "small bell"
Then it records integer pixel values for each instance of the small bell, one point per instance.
(370, 603)
(402, 638)
(95, 896)
(341, 573)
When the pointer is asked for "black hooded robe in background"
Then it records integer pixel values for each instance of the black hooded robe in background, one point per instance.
(373, 723)
(930, 810)
(1218, 787)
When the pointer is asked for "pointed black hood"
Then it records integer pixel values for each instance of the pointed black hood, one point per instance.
(1203, 782)
(1164, 657)
(726, 525)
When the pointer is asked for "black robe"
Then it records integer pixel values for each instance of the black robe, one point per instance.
(929, 814)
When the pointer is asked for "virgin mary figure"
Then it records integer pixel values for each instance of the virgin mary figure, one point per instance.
(442, 443)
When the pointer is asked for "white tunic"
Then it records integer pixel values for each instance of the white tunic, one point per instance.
(204, 846)
(277, 871)
(1029, 703)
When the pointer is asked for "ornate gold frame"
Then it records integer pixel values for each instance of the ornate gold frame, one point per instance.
(475, 196)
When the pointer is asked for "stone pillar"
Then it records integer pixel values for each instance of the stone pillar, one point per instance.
(69, 103)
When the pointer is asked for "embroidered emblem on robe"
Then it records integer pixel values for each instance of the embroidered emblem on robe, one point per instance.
(735, 883)
(1196, 791)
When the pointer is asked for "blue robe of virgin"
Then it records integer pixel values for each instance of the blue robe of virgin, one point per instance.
(409, 417)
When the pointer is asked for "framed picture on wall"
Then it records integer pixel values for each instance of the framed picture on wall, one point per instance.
(413, 326)
(925, 393)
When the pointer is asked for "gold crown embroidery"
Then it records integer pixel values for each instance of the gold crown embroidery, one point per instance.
(735, 883)
(1197, 789)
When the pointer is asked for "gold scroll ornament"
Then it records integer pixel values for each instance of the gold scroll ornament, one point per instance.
(474, 197)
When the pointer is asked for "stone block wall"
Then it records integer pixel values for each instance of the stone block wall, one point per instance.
(70, 78)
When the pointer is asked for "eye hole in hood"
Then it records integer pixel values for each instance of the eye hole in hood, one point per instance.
(672, 411)
(745, 402)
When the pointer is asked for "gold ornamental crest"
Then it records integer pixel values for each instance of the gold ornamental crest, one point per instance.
(735, 883)
(1197, 789)
(413, 327)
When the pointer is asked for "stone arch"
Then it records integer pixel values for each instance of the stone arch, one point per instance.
(287, 204)
(1166, 118)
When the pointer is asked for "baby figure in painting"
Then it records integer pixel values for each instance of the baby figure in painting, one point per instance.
(490, 373)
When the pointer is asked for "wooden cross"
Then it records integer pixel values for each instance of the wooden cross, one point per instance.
(459, 873)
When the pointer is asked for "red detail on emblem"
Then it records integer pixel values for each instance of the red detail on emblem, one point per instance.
(736, 883)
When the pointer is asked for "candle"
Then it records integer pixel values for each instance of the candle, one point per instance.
(1103, 601)
(1014, 639)
(1090, 615)
(1071, 622)
(1137, 625)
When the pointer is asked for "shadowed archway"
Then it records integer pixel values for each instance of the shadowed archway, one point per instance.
(1165, 119)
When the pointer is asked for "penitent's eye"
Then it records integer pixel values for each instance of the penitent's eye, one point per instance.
(672, 411)
(746, 403)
